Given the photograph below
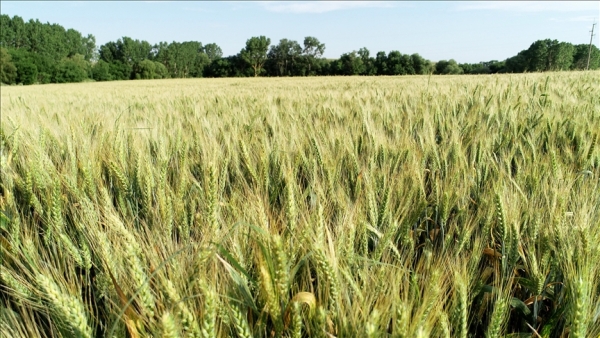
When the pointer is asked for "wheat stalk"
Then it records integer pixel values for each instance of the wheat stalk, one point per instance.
(69, 308)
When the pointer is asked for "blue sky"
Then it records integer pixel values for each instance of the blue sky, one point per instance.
(465, 31)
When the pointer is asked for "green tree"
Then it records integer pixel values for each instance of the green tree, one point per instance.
(120, 70)
(313, 50)
(101, 71)
(213, 51)
(448, 67)
(27, 72)
(421, 65)
(157, 49)
(186, 59)
(57, 48)
(89, 48)
(284, 57)
(381, 63)
(545, 55)
(407, 64)
(201, 62)
(537, 56)
(44, 45)
(368, 62)
(219, 68)
(132, 51)
(44, 65)
(161, 72)
(8, 71)
(72, 40)
(146, 69)
(20, 39)
(125, 55)
(109, 52)
(518, 63)
(255, 53)
(580, 57)
(496, 66)
(35, 36)
(73, 69)
(395, 64)
(478, 68)
(559, 55)
(349, 64)
(7, 33)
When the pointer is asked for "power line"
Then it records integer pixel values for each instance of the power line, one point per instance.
(590, 50)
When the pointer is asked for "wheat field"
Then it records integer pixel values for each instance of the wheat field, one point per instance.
(418, 206)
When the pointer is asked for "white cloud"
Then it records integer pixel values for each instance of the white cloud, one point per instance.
(320, 6)
(531, 6)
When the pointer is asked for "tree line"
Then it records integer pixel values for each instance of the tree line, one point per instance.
(34, 52)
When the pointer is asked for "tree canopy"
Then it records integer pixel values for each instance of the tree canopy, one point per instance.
(42, 52)
(255, 52)
(34, 52)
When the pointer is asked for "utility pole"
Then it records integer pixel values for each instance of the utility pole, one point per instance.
(590, 51)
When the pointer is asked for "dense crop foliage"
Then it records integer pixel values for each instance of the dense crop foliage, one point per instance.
(350, 207)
